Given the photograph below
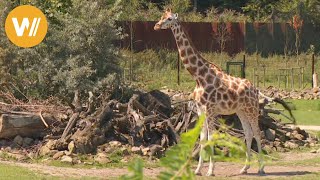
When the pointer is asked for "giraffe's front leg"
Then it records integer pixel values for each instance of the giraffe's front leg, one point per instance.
(203, 136)
(209, 133)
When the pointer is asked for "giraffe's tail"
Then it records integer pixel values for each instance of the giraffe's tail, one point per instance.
(282, 102)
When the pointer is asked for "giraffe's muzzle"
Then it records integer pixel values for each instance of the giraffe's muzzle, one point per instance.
(157, 27)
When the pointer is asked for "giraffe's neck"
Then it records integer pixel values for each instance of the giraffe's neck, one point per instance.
(191, 58)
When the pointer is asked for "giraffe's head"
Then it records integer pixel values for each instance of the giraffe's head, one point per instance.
(167, 19)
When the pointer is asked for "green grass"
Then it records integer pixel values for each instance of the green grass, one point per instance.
(305, 162)
(156, 69)
(15, 172)
(306, 112)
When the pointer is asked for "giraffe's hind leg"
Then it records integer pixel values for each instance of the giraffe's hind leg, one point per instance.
(248, 137)
(203, 136)
(257, 136)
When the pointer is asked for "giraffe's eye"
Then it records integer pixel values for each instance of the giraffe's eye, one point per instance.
(169, 19)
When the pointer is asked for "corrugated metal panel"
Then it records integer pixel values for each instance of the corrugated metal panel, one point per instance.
(264, 38)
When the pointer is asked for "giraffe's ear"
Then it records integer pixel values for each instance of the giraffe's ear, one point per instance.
(175, 16)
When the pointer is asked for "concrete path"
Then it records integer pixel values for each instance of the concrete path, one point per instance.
(306, 127)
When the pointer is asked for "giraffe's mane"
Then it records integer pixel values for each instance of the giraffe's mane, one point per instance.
(194, 48)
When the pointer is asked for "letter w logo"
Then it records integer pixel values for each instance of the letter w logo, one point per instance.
(25, 25)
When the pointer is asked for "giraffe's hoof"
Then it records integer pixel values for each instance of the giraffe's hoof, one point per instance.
(198, 173)
(243, 171)
(209, 174)
(261, 172)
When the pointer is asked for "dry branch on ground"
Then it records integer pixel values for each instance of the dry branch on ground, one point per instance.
(147, 124)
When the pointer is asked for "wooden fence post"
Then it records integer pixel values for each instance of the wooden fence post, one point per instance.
(244, 66)
(292, 79)
(178, 66)
(264, 76)
(312, 71)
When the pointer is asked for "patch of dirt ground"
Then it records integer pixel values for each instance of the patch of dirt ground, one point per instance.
(222, 169)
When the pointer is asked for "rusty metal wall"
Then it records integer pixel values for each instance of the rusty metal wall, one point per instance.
(202, 35)
(264, 38)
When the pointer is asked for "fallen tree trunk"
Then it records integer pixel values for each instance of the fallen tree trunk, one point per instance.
(12, 125)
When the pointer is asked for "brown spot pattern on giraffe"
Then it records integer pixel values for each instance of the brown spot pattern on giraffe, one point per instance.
(232, 94)
(192, 70)
(183, 53)
(202, 82)
(223, 105)
(189, 51)
(202, 72)
(200, 63)
(193, 60)
(203, 100)
(218, 96)
(234, 86)
(209, 89)
(186, 42)
(209, 78)
(180, 42)
(225, 97)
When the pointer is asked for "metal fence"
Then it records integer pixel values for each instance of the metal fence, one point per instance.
(263, 38)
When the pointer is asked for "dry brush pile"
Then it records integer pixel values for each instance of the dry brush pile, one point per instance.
(147, 124)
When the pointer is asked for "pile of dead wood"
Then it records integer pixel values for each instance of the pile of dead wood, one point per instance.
(308, 94)
(147, 124)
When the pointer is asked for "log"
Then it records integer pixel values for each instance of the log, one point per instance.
(72, 122)
(12, 125)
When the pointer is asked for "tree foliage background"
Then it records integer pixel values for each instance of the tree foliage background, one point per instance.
(77, 53)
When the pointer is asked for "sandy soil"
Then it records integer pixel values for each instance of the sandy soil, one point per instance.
(222, 169)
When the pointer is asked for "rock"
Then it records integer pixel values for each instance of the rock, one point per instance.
(18, 140)
(17, 156)
(44, 150)
(136, 150)
(288, 134)
(290, 145)
(51, 143)
(124, 151)
(47, 148)
(270, 134)
(313, 151)
(31, 155)
(58, 155)
(280, 149)
(268, 148)
(68, 153)
(277, 143)
(71, 147)
(145, 151)
(157, 150)
(3, 142)
(27, 142)
(66, 159)
(299, 136)
(124, 160)
(102, 158)
(115, 143)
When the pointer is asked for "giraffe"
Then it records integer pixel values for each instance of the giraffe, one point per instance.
(216, 92)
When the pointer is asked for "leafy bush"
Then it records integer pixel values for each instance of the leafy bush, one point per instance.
(77, 54)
